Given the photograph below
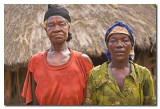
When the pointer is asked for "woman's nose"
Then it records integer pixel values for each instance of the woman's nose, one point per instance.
(56, 28)
(119, 43)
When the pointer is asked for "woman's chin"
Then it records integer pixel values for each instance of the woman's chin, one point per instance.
(58, 41)
(120, 59)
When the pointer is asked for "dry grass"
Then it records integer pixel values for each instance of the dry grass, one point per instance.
(25, 36)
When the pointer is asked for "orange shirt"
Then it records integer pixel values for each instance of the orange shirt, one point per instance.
(57, 85)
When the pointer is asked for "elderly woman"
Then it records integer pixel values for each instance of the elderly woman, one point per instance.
(59, 75)
(119, 81)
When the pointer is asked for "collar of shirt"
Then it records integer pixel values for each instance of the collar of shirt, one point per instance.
(104, 75)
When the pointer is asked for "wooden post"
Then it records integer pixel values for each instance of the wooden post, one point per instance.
(7, 86)
(18, 86)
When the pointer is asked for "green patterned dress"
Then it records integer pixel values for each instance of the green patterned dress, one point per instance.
(102, 88)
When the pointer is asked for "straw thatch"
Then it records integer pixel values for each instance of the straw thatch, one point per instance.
(24, 35)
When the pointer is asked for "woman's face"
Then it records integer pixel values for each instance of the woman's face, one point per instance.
(57, 29)
(119, 46)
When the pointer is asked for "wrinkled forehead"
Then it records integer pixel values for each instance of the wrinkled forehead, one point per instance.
(56, 18)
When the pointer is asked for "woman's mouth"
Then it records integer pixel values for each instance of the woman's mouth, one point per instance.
(119, 52)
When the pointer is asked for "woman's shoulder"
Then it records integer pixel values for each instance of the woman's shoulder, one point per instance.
(142, 71)
(38, 56)
(141, 68)
(98, 70)
(83, 56)
(98, 75)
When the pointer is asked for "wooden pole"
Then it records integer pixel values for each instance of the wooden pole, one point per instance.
(7, 86)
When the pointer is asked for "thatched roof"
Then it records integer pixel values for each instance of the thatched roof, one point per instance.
(24, 35)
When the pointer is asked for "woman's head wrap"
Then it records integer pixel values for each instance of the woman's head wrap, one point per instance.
(55, 10)
(119, 27)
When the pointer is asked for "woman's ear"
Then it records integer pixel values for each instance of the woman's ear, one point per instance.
(69, 28)
(132, 54)
(107, 48)
(45, 25)
(132, 48)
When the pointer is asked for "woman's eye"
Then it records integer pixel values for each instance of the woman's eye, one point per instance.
(125, 40)
(62, 24)
(113, 41)
(50, 25)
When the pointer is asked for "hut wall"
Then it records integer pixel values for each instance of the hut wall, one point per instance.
(7, 86)
(13, 84)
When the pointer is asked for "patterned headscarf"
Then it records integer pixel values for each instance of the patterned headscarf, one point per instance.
(119, 27)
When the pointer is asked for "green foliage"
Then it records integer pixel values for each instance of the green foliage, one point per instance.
(154, 5)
